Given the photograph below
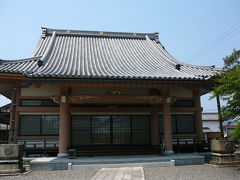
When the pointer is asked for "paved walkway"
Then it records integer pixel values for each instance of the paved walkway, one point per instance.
(124, 173)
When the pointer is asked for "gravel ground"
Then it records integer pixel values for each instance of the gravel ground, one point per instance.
(193, 172)
(80, 174)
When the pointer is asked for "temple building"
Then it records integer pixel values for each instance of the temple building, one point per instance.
(85, 89)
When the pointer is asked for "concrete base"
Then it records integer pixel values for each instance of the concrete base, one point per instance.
(169, 152)
(55, 163)
(62, 155)
(224, 159)
(11, 166)
(11, 159)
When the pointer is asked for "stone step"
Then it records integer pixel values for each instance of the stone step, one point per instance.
(117, 165)
(109, 161)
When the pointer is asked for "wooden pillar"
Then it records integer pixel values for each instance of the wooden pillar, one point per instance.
(154, 127)
(64, 127)
(167, 122)
(198, 114)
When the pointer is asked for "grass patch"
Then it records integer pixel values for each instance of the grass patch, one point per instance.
(237, 149)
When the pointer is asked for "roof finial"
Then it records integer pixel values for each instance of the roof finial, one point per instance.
(44, 32)
(157, 37)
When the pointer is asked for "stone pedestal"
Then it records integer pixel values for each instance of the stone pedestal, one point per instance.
(224, 159)
(11, 158)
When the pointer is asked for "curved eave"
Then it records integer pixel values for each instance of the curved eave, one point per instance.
(65, 78)
(12, 76)
(22, 66)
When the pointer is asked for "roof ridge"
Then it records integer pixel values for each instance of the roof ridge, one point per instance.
(47, 52)
(108, 34)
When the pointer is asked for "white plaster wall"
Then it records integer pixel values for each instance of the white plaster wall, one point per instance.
(210, 116)
(3, 126)
(213, 126)
(45, 90)
(180, 92)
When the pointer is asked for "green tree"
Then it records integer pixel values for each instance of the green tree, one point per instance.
(228, 86)
(235, 135)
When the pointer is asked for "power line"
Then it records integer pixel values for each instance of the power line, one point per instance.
(229, 33)
(217, 44)
(219, 38)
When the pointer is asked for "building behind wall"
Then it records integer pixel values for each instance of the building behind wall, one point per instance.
(104, 89)
(211, 125)
(210, 122)
(230, 125)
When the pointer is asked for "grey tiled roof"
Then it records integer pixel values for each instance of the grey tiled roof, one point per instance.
(28, 65)
(92, 54)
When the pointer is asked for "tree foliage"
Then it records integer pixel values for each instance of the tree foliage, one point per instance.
(228, 86)
(235, 135)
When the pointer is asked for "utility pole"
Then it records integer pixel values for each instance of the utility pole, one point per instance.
(11, 136)
(219, 116)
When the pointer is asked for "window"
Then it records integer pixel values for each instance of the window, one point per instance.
(140, 130)
(39, 125)
(184, 123)
(50, 125)
(160, 124)
(30, 125)
(81, 127)
(101, 130)
(183, 103)
(110, 129)
(121, 129)
(181, 123)
(38, 103)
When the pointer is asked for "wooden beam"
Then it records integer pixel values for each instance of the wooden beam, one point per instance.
(108, 109)
(35, 97)
(101, 109)
(114, 99)
(38, 109)
(36, 137)
(12, 76)
(109, 85)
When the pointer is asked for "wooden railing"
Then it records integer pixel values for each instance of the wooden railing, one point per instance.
(48, 148)
(186, 144)
(40, 148)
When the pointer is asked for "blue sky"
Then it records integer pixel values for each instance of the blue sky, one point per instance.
(184, 27)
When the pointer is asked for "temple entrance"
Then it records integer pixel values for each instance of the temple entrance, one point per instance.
(110, 130)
